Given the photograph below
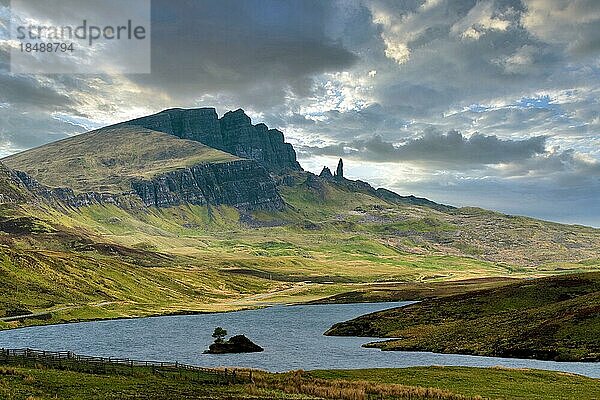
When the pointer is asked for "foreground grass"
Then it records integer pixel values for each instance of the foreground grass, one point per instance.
(555, 318)
(42, 384)
(441, 383)
(493, 383)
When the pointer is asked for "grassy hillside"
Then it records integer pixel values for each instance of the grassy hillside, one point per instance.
(111, 283)
(106, 160)
(333, 237)
(185, 259)
(555, 318)
(63, 273)
(219, 258)
(336, 235)
(414, 291)
(470, 232)
(383, 228)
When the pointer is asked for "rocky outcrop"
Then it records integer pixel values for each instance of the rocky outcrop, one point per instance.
(358, 186)
(234, 133)
(315, 185)
(236, 344)
(258, 142)
(198, 124)
(339, 171)
(240, 183)
(326, 173)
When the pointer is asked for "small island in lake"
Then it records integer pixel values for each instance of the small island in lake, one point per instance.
(235, 344)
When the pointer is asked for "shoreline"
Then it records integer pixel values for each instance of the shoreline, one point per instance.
(157, 315)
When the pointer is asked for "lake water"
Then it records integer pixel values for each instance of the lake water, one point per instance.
(292, 337)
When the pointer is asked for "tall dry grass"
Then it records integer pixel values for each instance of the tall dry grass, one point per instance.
(300, 383)
(6, 371)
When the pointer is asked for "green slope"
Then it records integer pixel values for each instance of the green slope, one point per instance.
(512, 241)
(62, 273)
(333, 237)
(329, 240)
(108, 159)
(555, 318)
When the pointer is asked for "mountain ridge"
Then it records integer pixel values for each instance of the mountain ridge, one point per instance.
(136, 162)
(124, 165)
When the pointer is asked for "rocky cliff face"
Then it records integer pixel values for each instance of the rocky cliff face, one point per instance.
(12, 189)
(240, 183)
(65, 196)
(234, 133)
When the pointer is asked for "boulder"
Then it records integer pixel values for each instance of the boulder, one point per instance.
(236, 344)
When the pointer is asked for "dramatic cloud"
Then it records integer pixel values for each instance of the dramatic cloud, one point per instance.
(260, 50)
(386, 84)
(452, 149)
(574, 23)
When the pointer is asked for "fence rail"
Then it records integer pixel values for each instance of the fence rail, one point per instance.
(71, 361)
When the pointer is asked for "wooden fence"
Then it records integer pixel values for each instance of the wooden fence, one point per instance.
(67, 360)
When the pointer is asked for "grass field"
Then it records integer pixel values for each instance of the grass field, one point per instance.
(441, 383)
(492, 383)
(42, 384)
(413, 291)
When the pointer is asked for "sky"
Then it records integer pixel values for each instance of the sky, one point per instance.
(489, 103)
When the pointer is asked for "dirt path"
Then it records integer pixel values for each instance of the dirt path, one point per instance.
(48, 313)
